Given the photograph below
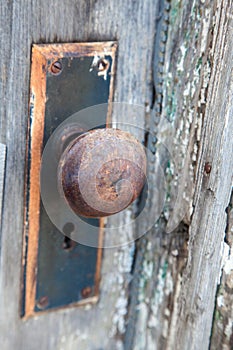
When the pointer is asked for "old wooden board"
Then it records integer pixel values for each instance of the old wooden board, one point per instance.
(159, 292)
(222, 335)
(195, 124)
(132, 24)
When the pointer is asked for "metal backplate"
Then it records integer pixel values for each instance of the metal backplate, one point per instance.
(58, 272)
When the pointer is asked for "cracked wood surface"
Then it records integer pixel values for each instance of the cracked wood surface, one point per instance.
(179, 270)
(207, 228)
(222, 334)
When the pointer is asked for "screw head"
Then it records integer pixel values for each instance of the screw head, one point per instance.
(86, 292)
(43, 302)
(56, 67)
(102, 65)
(101, 172)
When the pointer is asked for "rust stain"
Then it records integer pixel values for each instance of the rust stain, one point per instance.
(38, 89)
(112, 81)
(99, 257)
(50, 51)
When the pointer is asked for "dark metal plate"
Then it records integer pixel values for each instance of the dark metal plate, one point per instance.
(57, 271)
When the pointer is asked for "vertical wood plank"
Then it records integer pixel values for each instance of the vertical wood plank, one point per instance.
(179, 270)
(222, 335)
(23, 23)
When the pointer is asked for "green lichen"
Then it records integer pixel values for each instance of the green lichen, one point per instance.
(165, 266)
(174, 12)
(171, 110)
(187, 35)
(218, 315)
(171, 103)
(199, 64)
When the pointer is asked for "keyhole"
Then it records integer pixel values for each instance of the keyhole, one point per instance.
(68, 243)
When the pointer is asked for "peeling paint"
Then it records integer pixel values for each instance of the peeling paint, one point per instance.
(205, 29)
(180, 65)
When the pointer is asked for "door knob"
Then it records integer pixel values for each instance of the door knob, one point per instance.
(101, 172)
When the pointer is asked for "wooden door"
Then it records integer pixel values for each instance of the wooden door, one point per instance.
(172, 288)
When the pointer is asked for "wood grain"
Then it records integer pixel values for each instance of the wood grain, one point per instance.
(179, 265)
(23, 23)
(222, 336)
(160, 291)
(212, 193)
(2, 176)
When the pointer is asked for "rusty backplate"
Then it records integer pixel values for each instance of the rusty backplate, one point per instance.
(58, 272)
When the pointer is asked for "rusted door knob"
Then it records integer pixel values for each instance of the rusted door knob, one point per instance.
(101, 172)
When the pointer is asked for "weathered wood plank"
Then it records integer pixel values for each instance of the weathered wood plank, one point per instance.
(222, 335)
(177, 285)
(212, 193)
(132, 24)
(173, 290)
(2, 175)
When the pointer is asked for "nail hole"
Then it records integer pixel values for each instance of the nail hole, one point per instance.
(208, 167)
